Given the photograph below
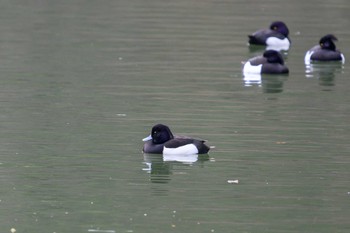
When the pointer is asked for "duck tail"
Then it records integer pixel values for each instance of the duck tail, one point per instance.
(254, 40)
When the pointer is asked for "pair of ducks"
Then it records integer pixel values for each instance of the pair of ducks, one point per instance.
(163, 141)
(272, 62)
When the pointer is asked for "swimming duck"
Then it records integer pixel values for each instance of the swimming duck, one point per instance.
(324, 51)
(271, 62)
(275, 36)
(162, 141)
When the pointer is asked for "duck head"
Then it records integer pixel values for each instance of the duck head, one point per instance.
(273, 56)
(327, 42)
(280, 27)
(159, 134)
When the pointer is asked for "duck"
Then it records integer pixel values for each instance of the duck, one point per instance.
(276, 36)
(324, 51)
(162, 141)
(271, 62)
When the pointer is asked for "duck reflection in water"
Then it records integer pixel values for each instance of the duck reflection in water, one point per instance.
(161, 167)
(256, 49)
(269, 83)
(324, 72)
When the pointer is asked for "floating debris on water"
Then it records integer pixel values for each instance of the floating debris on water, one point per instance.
(13, 230)
(233, 181)
(102, 231)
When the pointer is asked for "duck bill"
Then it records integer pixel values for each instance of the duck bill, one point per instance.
(147, 138)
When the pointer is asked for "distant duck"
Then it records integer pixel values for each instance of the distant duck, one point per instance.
(271, 62)
(324, 51)
(162, 141)
(275, 37)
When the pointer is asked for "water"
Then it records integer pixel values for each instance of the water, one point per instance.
(83, 82)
